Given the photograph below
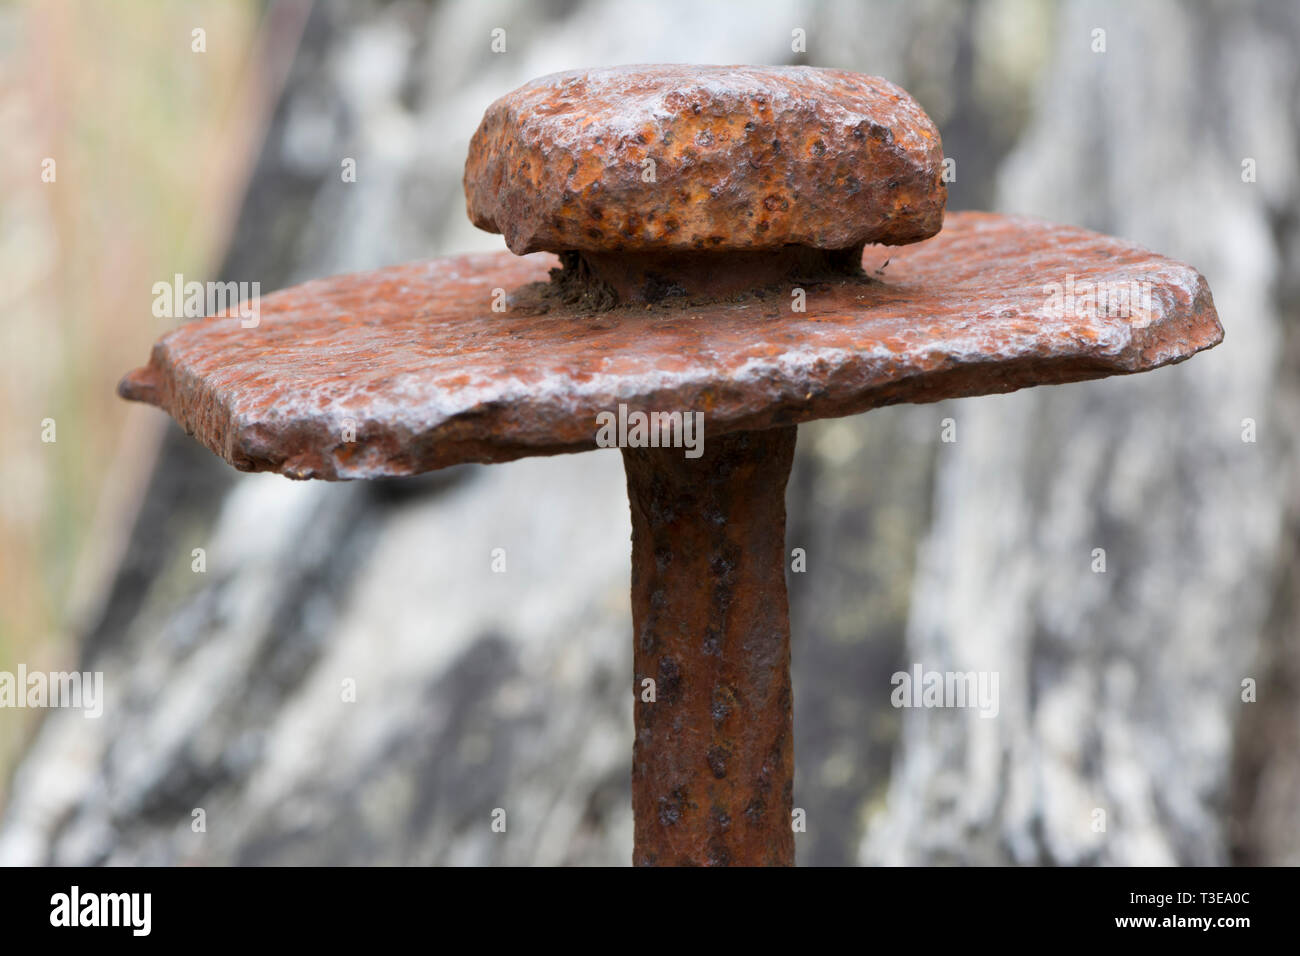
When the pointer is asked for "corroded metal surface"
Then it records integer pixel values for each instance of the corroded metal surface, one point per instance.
(705, 157)
(657, 277)
(713, 763)
(428, 375)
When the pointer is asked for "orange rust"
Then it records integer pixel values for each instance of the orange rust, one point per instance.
(431, 376)
(744, 158)
(713, 761)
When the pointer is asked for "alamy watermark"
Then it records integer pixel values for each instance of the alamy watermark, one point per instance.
(637, 429)
(133, 911)
(1092, 300)
(179, 299)
(922, 688)
(74, 689)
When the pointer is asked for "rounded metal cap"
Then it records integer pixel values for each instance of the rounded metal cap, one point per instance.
(688, 158)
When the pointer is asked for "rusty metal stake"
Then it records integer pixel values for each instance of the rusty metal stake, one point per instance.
(683, 203)
(713, 763)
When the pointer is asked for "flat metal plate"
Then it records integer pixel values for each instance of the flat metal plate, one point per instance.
(412, 361)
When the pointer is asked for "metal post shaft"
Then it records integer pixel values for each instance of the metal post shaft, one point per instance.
(713, 763)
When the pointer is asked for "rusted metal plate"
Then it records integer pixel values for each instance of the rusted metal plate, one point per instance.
(679, 158)
(713, 763)
(412, 363)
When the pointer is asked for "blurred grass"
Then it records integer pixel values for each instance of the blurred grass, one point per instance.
(151, 142)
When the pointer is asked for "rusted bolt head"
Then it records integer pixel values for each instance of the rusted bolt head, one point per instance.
(687, 158)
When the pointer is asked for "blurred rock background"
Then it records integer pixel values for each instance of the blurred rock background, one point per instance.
(1120, 691)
